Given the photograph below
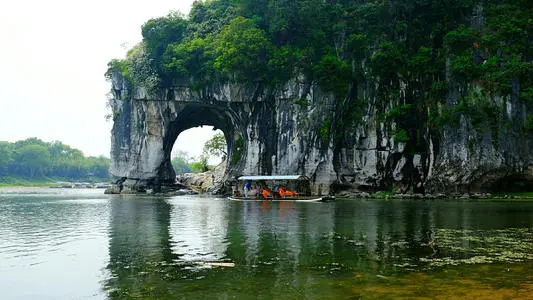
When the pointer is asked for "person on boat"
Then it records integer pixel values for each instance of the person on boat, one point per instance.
(236, 192)
(266, 194)
(254, 192)
(281, 192)
(290, 193)
(247, 188)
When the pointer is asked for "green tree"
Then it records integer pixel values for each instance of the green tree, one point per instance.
(407, 48)
(216, 146)
(97, 167)
(158, 33)
(207, 17)
(200, 165)
(192, 59)
(243, 49)
(181, 163)
(5, 157)
(33, 160)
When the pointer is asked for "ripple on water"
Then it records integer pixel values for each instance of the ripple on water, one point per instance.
(34, 222)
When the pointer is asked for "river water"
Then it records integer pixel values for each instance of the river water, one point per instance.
(81, 244)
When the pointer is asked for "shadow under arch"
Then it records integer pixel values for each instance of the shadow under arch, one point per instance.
(197, 114)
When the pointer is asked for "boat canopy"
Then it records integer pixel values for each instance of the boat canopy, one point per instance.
(274, 177)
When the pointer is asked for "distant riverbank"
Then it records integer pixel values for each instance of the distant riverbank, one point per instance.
(14, 182)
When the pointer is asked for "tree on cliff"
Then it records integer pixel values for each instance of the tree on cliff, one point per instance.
(159, 33)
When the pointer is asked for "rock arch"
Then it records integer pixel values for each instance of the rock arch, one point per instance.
(296, 128)
(263, 130)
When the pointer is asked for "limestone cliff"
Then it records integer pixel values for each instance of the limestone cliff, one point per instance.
(412, 96)
(298, 129)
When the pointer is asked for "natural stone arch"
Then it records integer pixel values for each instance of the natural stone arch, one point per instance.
(297, 128)
(275, 133)
(142, 146)
(196, 115)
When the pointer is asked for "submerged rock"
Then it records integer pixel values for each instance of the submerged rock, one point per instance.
(113, 190)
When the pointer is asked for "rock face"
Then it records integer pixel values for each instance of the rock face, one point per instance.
(206, 182)
(299, 129)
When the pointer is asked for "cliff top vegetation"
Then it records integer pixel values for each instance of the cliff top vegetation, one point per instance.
(408, 45)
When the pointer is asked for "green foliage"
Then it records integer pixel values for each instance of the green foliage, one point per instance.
(459, 40)
(527, 96)
(207, 17)
(409, 49)
(333, 75)
(5, 157)
(116, 66)
(190, 59)
(181, 163)
(400, 136)
(237, 151)
(33, 158)
(200, 165)
(324, 133)
(529, 123)
(389, 60)
(302, 102)
(421, 62)
(158, 33)
(136, 68)
(451, 115)
(243, 49)
(397, 112)
(281, 63)
(216, 146)
(464, 67)
(480, 111)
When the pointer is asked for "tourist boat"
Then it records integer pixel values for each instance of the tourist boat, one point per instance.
(294, 199)
(296, 196)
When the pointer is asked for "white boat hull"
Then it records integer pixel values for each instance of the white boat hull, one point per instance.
(295, 199)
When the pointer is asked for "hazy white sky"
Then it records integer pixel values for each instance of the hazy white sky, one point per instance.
(53, 56)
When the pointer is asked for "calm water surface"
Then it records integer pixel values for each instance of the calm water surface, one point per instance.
(81, 244)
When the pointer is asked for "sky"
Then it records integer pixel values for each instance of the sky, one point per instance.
(53, 56)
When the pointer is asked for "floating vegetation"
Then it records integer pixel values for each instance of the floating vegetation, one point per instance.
(438, 248)
(457, 247)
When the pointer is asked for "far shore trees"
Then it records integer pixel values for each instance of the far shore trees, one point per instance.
(214, 148)
(33, 158)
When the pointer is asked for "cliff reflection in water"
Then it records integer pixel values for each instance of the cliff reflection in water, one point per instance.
(160, 247)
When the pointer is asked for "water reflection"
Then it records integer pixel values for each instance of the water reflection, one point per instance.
(52, 245)
(162, 248)
(139, 242)
(72, 244)
(198, 228)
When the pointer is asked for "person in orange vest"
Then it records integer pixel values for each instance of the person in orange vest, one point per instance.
(281, 192)
(289, 193)
(265, 193)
